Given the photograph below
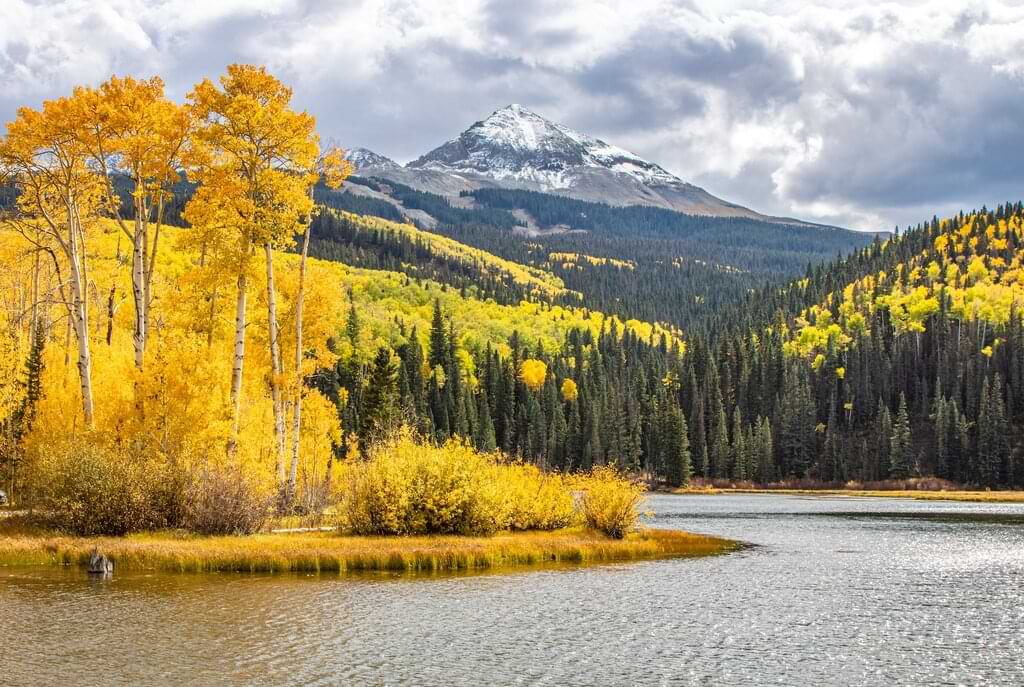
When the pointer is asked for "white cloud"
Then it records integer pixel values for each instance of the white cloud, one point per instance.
(840, 111)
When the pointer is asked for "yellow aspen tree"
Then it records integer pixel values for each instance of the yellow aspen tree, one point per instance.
(332, 168)
(44, 154)
(533, 373)
(256, 166)
(134, 131)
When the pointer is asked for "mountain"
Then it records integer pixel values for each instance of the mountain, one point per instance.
(371, 162)
(515, 148)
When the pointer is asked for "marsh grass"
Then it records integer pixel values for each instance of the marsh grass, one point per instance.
(325, 552)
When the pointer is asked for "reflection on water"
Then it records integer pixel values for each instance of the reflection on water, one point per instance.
(839, 591)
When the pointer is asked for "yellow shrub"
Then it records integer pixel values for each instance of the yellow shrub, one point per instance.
(409, 487)
(609, 501)
(536, 500)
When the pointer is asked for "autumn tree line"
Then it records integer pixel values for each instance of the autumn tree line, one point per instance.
(95, 175)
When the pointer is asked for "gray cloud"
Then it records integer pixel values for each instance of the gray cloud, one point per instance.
(839, 111)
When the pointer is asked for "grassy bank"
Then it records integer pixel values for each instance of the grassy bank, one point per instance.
(977, 496)
(327, 552)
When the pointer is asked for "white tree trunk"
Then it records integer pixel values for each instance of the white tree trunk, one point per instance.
(239, 359)
(80, 318)
(297, 408)
(276, 367)
(139, 290)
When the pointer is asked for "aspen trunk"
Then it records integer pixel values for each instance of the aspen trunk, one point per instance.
(213, 315)
(110, 314)
(80, 319)
(276, 372)
(35, 292)
(297, 409)
(239, 359)
(139, 289)
(212, 299)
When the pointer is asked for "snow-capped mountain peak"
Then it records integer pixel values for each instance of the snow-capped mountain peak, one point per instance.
(515, 144)
(517, 148)
(364, 158)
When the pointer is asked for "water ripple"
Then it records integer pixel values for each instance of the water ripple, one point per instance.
(838, 591)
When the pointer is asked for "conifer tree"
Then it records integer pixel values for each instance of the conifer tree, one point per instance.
(739, 447)
(719, 448)
(676, 448)
(901, 449)
(380, 414)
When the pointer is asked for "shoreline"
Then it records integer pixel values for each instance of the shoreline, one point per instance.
(326, 552)
(921, 495)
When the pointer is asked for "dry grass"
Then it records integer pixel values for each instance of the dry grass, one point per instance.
(978, 496)
(325, 552)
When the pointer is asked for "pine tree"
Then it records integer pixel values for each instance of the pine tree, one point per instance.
(699, 438)
(719, 448)
(739, 447)
(438, 339)
(942, 426)
(352, 324)
(901, 450)
(883, 435)
(766, 453)
(1002, 448)
(24, 414)
(677, 448)
(483, 436)
(380, 412)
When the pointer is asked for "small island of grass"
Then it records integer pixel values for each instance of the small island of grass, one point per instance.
(409, 506)
(328, 552)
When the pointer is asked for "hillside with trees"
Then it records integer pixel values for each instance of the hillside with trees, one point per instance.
(686, 267)
(904, 360)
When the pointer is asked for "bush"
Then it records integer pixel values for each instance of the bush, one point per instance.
(536, 500)
(410, 487)
(90, 489)
(222, 500)
(609, 501)
(86, 486)
(407, 487)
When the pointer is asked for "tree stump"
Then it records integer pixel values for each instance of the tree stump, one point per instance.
(100, 564)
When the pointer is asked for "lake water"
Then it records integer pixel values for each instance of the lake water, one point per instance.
(837, 591)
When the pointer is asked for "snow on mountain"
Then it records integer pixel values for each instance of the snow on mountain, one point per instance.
(515, 144)
(517, 148)
(363, 159)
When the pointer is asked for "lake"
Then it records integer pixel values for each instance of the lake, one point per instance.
(846, 591)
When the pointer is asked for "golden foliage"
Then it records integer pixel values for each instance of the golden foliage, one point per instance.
(533, 373)
(569, 390)
(972, 267)
(610, 501)
(410, 487)
(328, 553)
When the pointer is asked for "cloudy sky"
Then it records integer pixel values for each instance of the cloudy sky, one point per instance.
(861, 114)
